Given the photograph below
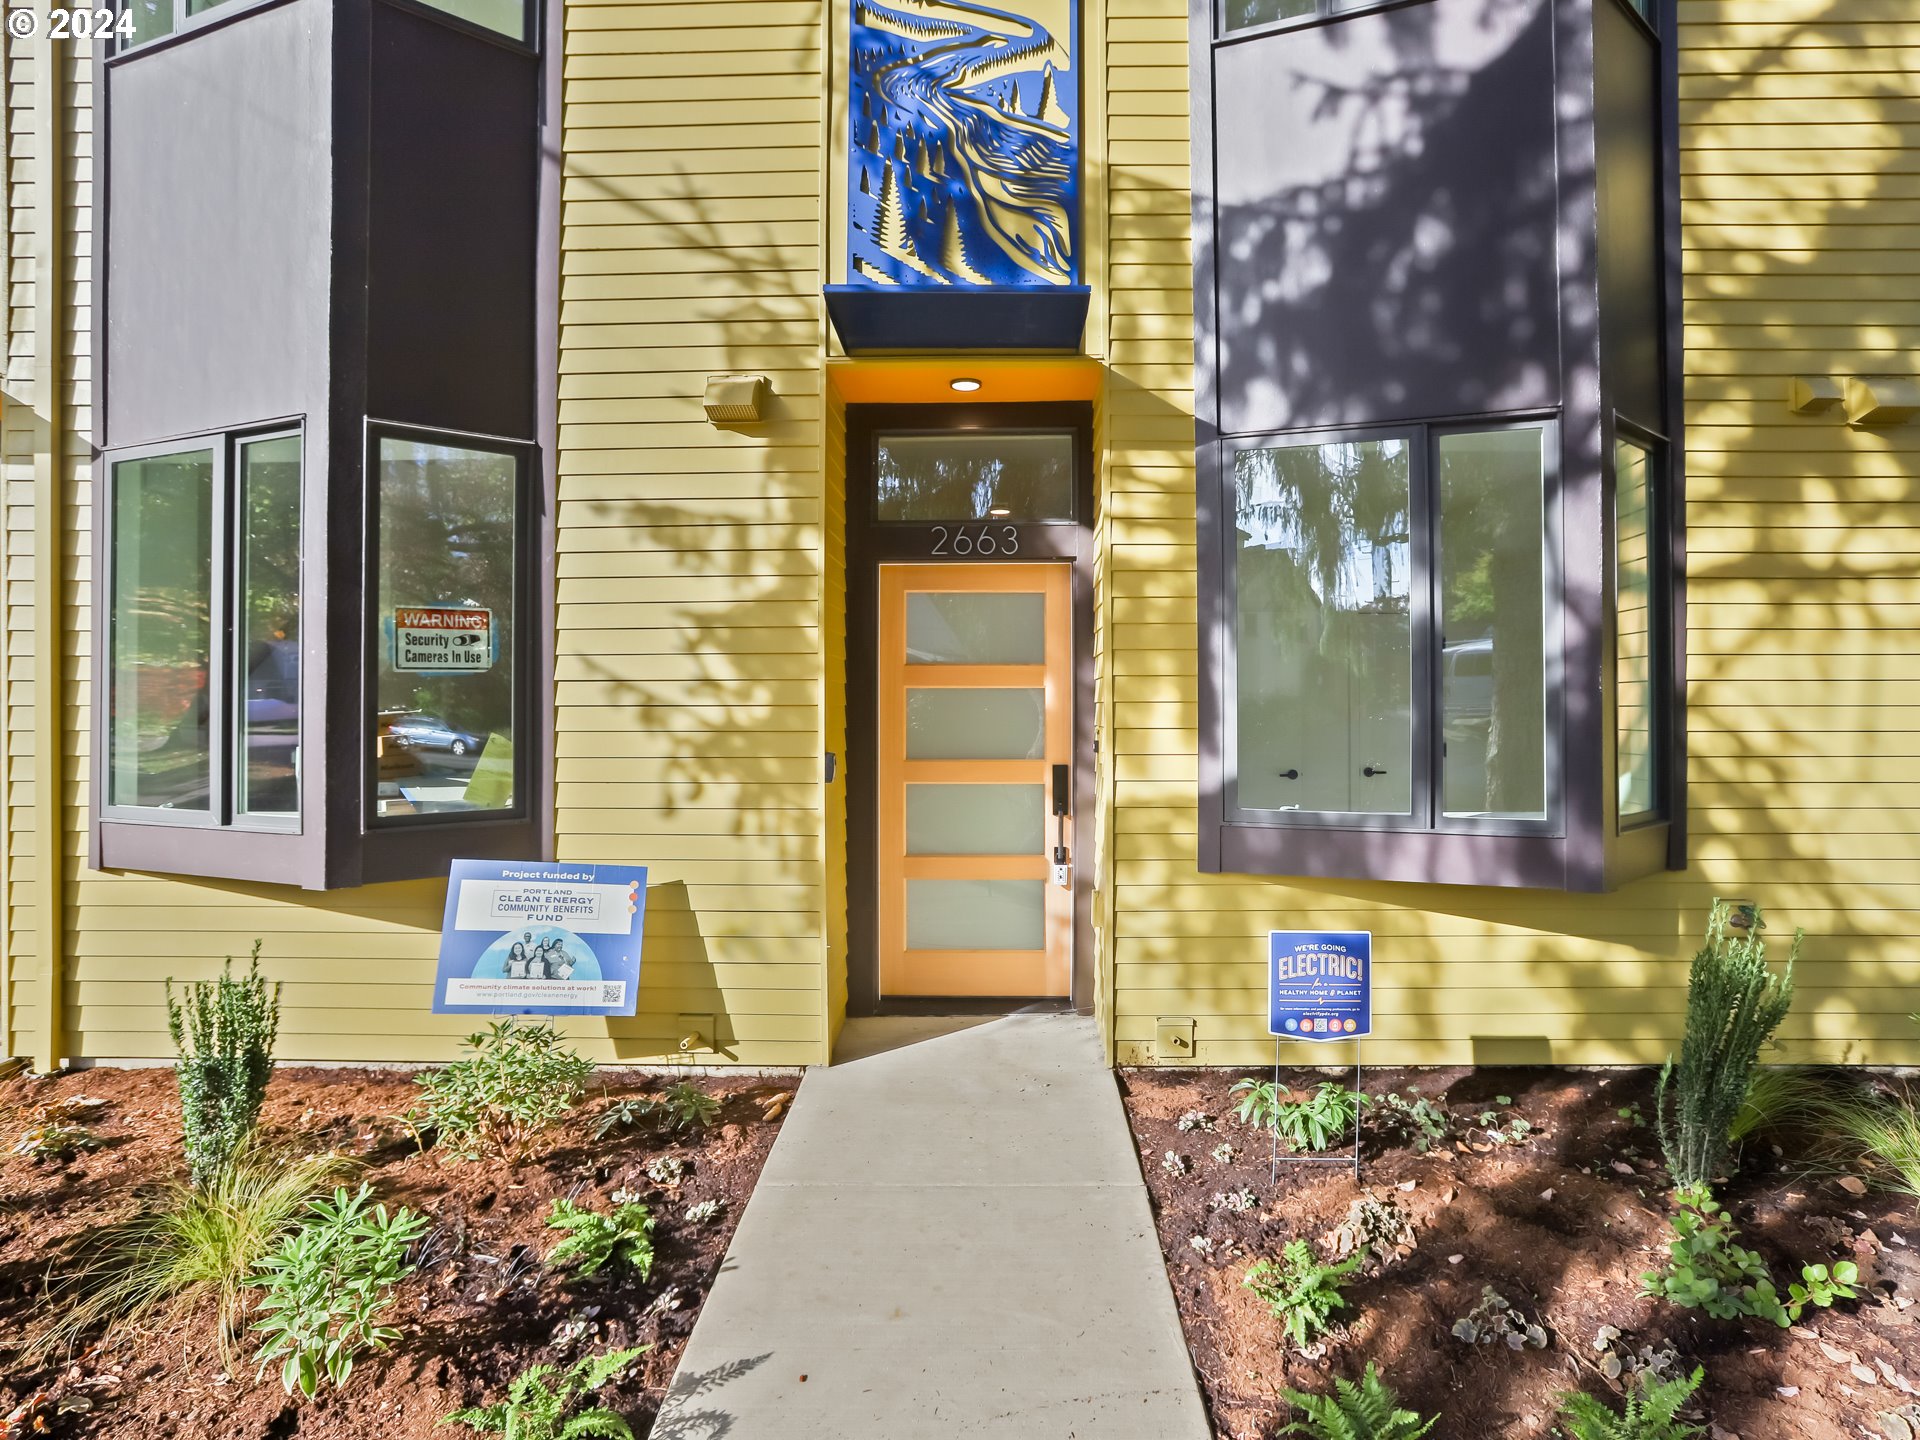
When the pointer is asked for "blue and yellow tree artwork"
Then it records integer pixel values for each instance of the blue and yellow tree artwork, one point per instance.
(964, 144)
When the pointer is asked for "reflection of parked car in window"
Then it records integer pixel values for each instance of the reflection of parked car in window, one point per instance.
(429, 732)
(1468, 679)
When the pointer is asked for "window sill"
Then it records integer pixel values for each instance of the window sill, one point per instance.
(1579, 864)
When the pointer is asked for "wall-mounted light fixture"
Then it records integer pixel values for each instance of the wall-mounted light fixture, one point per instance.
(964, 384)
(737, 399)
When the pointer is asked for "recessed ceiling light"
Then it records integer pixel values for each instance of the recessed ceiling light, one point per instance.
(964, 386)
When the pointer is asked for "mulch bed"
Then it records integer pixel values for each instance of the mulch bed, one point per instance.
(479, 1310)
(1561, 1222)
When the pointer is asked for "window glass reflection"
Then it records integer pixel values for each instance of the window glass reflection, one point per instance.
(1635, 638)
(958, 477)
(444, 664)
(269, 713)
(159, 741)
(1493, 678)
(1323, 664)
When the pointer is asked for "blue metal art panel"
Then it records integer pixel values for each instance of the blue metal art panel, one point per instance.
(964, 160)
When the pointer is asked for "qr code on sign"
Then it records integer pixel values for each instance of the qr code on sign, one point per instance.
(611, 994)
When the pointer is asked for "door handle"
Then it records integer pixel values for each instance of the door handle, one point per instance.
(1062, 792)
(1062, 807)
(1373, 770)
(1293, 774)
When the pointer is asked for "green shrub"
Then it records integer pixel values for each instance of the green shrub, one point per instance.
(1734, 1004)
(223, 1032)
(520, 1080)
(625, 1238)
(1421, 1122)
(1301, 1292)
(688, 1107)
(1322, 1119)
(1367, 1411)
(328, 1284)
(539, 1397)
(187, 1242)
(1707, 1269)
(1652, 1407)
(1883, 1134)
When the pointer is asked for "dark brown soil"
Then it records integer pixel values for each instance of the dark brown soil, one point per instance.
(480, 1308)
(1562, 1223)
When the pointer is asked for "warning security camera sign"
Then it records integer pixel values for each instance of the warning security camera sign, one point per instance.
(439, 640)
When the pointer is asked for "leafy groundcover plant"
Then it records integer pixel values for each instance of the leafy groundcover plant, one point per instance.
(1708, 1269)
(1367, 1411)
(1653, 1408)
(224, 1033)
(190, 1241)
(540, 1397)
(520, 1080)
(1301, 1292)
(1734, 1004)
(624, 1238)
(327, 1286)
(1321, 1120)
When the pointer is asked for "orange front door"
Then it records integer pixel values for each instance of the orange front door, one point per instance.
(975, 714)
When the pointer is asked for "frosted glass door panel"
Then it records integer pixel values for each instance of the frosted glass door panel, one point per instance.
(965, 724)
(976, 914)
(976, 629)
(976, 819)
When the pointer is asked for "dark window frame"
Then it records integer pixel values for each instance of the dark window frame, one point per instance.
(225, 681)
(1325, 12)
(185, 26)
(525, 657)
(1426, 812)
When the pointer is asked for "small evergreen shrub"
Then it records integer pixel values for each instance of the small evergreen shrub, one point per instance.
(1301, 1292)
(1734, 1004)
(1708, 1269)
(520, 1080)
(539, 1398)
(1367, 1411)
(624, 1238)
(1653, 1408)
(223, 1032)
(1321, 1120)
(328, 1285)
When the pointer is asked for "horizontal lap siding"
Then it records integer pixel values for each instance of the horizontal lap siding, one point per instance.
(1800, 169)
(691, 691)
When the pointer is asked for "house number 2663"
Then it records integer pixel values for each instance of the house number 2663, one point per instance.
(981, 541)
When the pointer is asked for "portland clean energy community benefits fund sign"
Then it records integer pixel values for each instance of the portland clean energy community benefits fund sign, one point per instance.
(530, 937)
(1320, 984)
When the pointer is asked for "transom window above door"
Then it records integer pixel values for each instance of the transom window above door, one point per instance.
(1017, 477)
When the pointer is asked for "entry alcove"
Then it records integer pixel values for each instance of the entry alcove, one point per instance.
(1441, 545)
(314, 218)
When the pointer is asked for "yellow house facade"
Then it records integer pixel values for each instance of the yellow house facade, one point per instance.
(715, 684)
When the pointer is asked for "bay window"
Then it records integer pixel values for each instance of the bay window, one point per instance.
(1390, 664)
(203, 633)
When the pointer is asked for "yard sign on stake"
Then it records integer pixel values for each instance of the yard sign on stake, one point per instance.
(531, 937)
(1320, 988)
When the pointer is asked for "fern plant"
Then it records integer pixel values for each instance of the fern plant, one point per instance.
(1315, 1123)
(1301, 1292)
(539, 1398)
(223, 1032)
(1367, 1411)
(624, 1238)
(1734, 1004)
(1652, 1413)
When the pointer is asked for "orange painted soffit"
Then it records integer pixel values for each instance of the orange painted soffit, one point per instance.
(923, 381)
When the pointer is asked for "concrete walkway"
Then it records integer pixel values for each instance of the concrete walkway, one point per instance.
(951, 1238)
